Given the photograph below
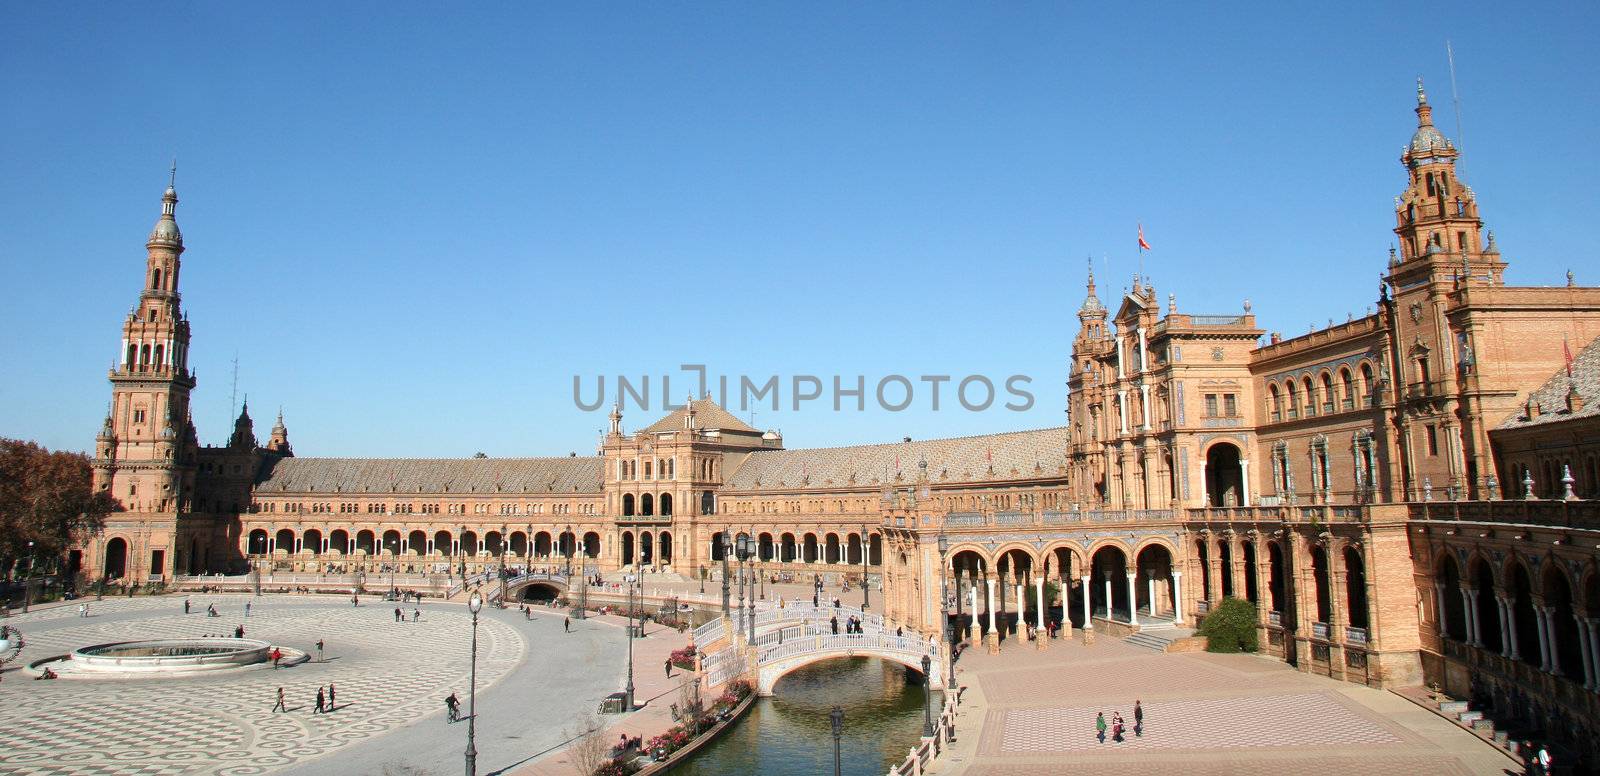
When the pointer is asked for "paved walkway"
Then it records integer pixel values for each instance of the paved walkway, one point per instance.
(1027, 712)
(390, 678)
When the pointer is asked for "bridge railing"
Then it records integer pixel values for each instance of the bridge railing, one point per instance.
(921, 756)
(826, 643)
(723, 666)
(709, 632)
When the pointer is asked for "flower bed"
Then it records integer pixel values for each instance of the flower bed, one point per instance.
(687, 735)
(683, 658)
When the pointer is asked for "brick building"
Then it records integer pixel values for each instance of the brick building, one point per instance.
(1364, 483)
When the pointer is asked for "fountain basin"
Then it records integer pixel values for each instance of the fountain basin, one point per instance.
(164, 657)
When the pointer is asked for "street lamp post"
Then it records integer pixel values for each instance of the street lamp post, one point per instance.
(474, 605)
(866, 595)
(740, 550)
(750, 549)
(837, 718)
(27, 582)
(945, 631)
(726, 544)
(502, 565)
(628, 690)
(927, 698)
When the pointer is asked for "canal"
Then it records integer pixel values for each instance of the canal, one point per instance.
(789, 733)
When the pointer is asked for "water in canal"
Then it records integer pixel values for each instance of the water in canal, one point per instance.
(789, 733)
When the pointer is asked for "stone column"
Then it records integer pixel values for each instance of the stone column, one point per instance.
(1021, 625)
(1150, 588)
(1477, 625)
(1592, 626)
(1177, 598)
(1108, 593)
(1041, 636)
(1205, 486)
(1585, 650)
(1213, 574)
(994, 635)
(1505, 638)
(1511, 628)
(1544, 638)
(1131, 577)
(1549, 635)
(1440, 614)
(972, 600)
(1065, 584)
(1244, 482)
(1088, 611)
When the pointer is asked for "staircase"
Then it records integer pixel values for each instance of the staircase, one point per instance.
(1157, 633)
(1461, 712)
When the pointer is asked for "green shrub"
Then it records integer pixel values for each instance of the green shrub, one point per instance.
(1230, 626)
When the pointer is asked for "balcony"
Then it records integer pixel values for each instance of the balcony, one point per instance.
(1548, 513)
(1423, 389)
(1354, 635)
(1321, 630)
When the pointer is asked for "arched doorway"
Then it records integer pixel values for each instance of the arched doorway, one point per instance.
(1452, 613)
(1108, 584)
(1566, 651)
(664, 547)
(591, 544)
(1224, 480)
(647, 549)
(1524, 624)
(283, 542)
(258, 542)
(971, 592)
(116, 565)
(1154, 589)
(1355, 596)
(1488, 609)
(627, 548)
(1067, 565)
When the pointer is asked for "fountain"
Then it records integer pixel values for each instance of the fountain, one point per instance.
(164, 657)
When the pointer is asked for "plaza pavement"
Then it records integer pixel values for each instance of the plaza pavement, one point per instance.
(391, 678)
(1029, 713)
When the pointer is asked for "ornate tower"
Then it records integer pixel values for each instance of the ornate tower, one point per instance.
(144, 454)
(1438, 226)
(1085, 402)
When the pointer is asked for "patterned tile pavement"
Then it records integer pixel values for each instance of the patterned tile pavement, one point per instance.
(1030, 713)
(388, 675)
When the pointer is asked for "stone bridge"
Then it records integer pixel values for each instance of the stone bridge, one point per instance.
(516, 584)
(792, 637)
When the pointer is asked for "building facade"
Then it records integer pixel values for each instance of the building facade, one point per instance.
(1406, 496)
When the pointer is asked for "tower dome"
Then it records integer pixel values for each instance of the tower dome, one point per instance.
(1427, 137)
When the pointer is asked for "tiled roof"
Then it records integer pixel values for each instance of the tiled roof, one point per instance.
(707, 414)
(1012, 456)
(433, 475)
(1552, 396)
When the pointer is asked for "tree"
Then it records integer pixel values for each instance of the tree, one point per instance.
(1230, 626)
(46, 498)
(588, 748)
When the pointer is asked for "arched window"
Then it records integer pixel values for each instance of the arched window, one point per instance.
(1273, 402)
(666, 504)
(646, 501)
(1311, 396)
(1349, 389)
(144, 355)
(155, 280)
(627, 505)
(1366, 383)
(133, 355)
(1327, 392)
(160, 353)
(1294, 399)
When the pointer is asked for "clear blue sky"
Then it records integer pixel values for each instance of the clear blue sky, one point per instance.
(415, 223)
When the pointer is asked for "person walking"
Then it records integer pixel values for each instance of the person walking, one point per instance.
(277, 707)
(320, 700)
(186, 605)
(277, 655)
(416, 614)
(1116, 727)
(319, 651)
(1138, 720)
(238, 632)
(355, 600)
(833, 624)
(247, 608)
(1100, 726)
(331, 696)
(566, 625)
(398, 617)
(669, 668)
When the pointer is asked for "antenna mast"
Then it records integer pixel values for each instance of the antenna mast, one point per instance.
(1455, 99)
(233, 393)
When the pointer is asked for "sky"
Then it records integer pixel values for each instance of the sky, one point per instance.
(415, 225)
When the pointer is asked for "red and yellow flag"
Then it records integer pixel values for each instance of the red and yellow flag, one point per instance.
(1143, 246)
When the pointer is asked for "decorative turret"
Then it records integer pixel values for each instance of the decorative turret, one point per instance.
(279, 441)
(244, 434)
(1437, 214)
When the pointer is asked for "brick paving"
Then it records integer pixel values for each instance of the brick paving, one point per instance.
(1030, 713)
